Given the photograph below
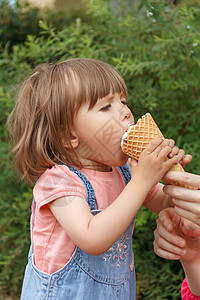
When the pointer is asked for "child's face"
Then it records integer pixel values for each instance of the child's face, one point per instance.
(99, 132)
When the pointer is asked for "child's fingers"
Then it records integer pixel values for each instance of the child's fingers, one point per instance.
(163, 149)
(171, 162)
(153, 145)
(174, 151)
(171, 143)
(181, 154)
(133, 163)
(186, 160)
(164, 152)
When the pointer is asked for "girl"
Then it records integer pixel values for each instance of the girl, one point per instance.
(67, 127)
(178, 236)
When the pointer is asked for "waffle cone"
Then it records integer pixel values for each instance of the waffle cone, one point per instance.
(139, 136)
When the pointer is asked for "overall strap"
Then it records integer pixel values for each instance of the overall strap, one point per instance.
(90, 195)
(126, 172)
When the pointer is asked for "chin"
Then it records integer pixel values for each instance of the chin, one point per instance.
(124, 162)
(121, 161)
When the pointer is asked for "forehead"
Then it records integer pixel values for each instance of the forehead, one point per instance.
(92, 83)
(111, 96)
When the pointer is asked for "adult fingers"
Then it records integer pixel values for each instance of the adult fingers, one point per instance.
(189, 206)
(182, 193)
(190, 229)
(165, 249)
(166, 217)
(172, 238)
(192, 216)
(183, 177)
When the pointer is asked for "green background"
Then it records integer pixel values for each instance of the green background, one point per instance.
(156, 47)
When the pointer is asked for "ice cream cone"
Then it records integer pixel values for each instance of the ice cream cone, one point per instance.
(139, 136)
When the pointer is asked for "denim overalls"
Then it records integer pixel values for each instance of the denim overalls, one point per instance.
(108, 276)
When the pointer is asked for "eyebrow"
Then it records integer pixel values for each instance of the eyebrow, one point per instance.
(102, 100)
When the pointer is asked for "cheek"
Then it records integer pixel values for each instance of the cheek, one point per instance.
(132, 118)
(108, 138)
(84, 127)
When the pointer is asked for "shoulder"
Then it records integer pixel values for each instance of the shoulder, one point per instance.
(58, 181)
(58, 175)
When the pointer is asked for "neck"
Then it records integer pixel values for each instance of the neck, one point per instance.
(93, 165)
(103, 168)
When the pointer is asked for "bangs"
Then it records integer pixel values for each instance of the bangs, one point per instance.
(91, 80)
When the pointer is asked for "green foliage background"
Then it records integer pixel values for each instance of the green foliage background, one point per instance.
(156, 47)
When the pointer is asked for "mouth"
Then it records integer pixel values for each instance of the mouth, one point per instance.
(123, 139)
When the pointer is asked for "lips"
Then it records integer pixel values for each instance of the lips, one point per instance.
(126, 132)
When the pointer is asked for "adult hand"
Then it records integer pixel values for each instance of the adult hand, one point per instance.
(175, 237)
(186, 201)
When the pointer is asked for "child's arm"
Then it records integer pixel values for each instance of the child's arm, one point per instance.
(178, 238)
(159, 202)
(164, 200)
(96, 234)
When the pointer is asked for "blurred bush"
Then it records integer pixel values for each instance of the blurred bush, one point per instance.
(156, 47)
(20, 19)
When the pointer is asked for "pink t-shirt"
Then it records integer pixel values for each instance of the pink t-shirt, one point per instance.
(186, 294)
(52, 246)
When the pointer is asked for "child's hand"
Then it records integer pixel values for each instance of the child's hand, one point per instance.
(153, 163)
(175, 237)
(186, 160)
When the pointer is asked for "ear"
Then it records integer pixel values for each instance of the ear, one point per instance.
(74, 140)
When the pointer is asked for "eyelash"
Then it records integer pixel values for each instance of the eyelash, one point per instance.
(123, 101)
(105, 108)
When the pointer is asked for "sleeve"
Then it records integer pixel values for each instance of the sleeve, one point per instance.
(57, 182)
(152, 193)
(186, 294)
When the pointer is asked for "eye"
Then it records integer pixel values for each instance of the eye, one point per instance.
(106, 107)
(123, 101)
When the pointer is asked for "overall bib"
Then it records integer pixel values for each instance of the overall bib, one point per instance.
(109, 276)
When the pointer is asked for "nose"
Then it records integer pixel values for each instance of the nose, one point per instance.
(126, 113)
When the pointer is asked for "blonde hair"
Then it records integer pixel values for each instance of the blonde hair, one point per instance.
(45, 109)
